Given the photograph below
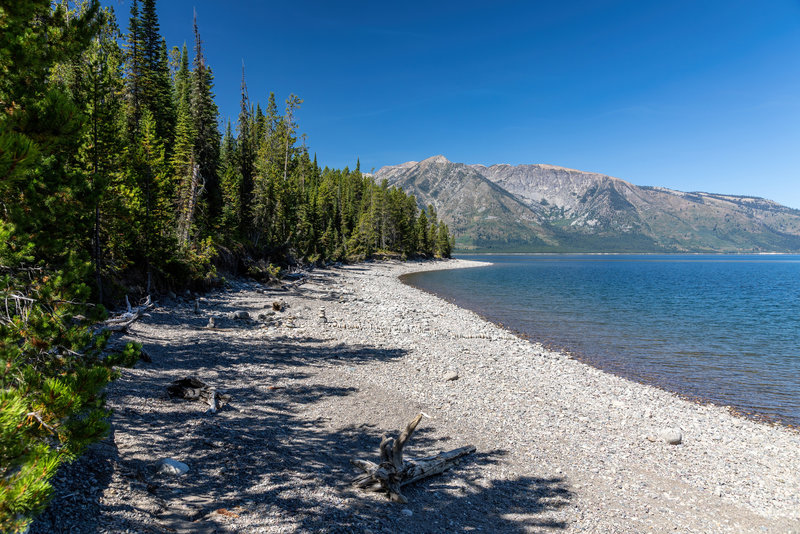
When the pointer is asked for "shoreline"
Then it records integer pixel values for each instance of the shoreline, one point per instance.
(561, 445)
(622, 373)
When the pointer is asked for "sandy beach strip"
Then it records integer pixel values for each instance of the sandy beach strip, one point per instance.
(561, 446)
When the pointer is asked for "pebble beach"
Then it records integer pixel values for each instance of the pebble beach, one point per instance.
(319, 369)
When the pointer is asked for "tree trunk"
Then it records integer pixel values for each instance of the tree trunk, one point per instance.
(393, 473)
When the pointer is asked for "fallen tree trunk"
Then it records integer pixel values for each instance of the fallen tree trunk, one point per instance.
(393, 473)
(122, 321)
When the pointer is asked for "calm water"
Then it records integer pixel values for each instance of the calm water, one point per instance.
(721, 328)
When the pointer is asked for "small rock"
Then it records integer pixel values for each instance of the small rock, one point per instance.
(672, 436)
(452, 375)
(406, 512)
(172, 295)
(718, 491)
(241, 314)
(262, 316)
(188, 294)
(173, 467)
(651, 437)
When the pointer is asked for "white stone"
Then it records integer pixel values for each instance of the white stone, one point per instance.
(672, 436)
(173, 467)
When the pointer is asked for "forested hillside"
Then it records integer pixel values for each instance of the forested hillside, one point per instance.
(143, 178)
(116, 179)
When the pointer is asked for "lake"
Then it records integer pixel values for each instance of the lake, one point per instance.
(719, 328)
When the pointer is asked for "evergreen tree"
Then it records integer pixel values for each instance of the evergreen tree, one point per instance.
(260, 127)
(182, 81)
(97, 87)
(186, 173)
(433, 228)
(424, 244)
(231, 183)
(155, 81)
(135, 69)
(246, 155)
(207, 137)
(443, 245)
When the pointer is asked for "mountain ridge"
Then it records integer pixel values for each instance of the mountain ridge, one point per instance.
(549, 208)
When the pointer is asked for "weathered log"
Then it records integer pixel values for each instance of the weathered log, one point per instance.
(393, 472)
(193, 389)
(122, 321)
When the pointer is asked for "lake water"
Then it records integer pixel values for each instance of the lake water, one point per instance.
(724, 329)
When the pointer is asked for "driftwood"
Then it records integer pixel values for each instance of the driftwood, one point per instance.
(197, 390)
(393, 473)
(122, 321)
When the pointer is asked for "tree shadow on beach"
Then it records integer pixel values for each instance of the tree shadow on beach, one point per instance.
(272, 458)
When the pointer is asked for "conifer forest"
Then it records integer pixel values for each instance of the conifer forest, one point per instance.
(118, 178)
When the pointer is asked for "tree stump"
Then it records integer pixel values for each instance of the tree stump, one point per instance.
(393, 472)
(193, 389)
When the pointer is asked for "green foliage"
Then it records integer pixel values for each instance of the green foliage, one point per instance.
(52, 368)
(52, 374)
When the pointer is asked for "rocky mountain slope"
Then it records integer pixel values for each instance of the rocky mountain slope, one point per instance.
(547, 208)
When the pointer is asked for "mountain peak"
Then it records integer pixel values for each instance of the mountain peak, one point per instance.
(436, 159)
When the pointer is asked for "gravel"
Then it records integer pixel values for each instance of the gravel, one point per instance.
(353, 354)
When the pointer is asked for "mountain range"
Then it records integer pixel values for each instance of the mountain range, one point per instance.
(545, 208)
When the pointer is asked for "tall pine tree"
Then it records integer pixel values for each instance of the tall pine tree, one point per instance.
(207, 137)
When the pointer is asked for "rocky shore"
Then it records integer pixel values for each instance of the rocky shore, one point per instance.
(318, 370)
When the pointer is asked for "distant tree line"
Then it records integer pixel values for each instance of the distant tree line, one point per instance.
(115, 178)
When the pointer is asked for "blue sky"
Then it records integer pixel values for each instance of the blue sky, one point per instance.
(691, 95)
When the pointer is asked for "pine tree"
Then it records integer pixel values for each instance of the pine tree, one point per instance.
(411, 244)
(433, 229)
(182, 81)
(246, 155)
(186, 173)
(135, 69)
(151, 164)
(155, 84)
(443, 246)
(207, 137)
(231, 182)
(424, 244)
(98, 88)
